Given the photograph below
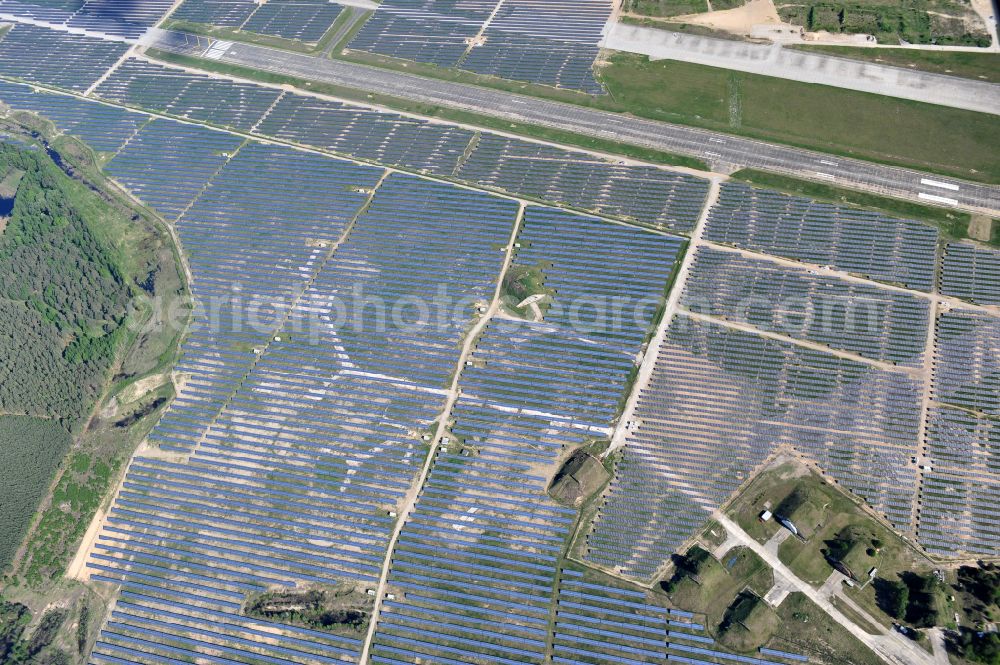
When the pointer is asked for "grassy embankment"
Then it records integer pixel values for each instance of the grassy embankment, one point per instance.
(728, 593)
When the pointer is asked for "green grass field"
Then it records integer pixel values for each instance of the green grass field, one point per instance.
(981, 66)
(807, 629)
(719, 582)
(664, 8)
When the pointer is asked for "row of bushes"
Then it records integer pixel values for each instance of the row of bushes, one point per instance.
(889, 24)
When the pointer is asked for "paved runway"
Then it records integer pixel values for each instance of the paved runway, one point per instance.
(773, 60)
(716, 148)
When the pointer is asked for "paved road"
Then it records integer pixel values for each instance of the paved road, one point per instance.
(720, 150)
(773, 60)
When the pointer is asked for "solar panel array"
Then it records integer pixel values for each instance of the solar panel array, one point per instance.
(582, 261)
(188, 540)
(157, 619)
(305, 20)
(55, 58)
(128, 19)
(959, 494)
(433, 31)
(861, 318)
(416, 237)
(552, 42)
(389, 138)
(971, 272)
(105, 128)
(960, 487)
(853, 240)
(317, 440)
(223, 13)
(529, 392)
(967, 364)
(250, 257)
(598, 623)
(197, 97)
(50, 11)
(718, 402)
(168, 163)
(645, 194)
(293, 481)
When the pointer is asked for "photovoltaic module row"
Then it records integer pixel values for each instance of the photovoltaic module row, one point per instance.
(127, 19)
(304, 20)
(861, 318)
(433, 31)
(252, 241)
(959, 493)
(858, 241)
(385, 137)
(718, 403)
(167, 164)
(967, 364)
(104, 128)
(554, 42)
(70, 61)
(644, 194)
(197, 97)
(971, 272)
(222, 13)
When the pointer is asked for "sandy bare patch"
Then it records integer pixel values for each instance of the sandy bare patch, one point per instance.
(140, 388)
(740, 20)
(980, 228)
(77, 569)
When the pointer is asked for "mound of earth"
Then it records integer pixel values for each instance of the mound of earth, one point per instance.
(579, 477)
